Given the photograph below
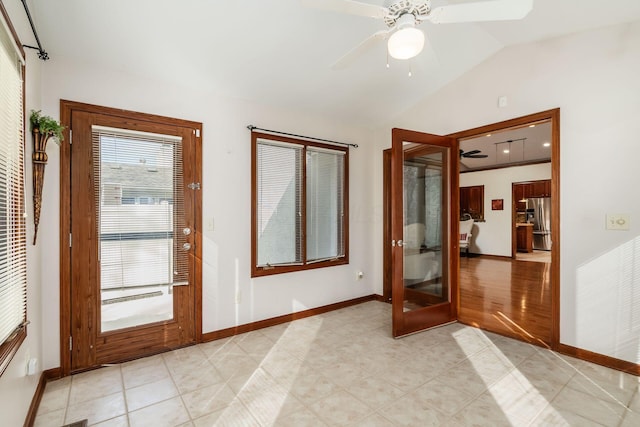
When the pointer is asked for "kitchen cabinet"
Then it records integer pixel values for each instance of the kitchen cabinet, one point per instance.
(521, 192)
(526, 190)
(472, 201)
(524, 237)
(540, 188)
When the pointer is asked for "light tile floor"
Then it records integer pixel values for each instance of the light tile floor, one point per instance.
(343, 368)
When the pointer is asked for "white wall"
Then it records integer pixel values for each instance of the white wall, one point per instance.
(226, 191)
(592, 77)
(493, 236)
(16, 388)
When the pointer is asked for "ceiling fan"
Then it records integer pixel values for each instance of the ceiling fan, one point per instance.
(473, 154)
(402, 16)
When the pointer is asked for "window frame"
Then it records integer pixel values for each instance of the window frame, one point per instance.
(258, 271)
(9, 347)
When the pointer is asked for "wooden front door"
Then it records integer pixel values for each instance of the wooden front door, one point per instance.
(424, 230)
(134, 234)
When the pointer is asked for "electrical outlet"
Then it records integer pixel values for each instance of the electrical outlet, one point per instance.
(502, 101)
(617, 222)
(32, 366)
(210, 223)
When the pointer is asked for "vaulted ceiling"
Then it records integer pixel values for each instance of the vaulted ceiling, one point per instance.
(278, 52)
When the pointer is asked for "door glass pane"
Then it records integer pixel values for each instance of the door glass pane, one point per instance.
(424, 223)
(139, 206)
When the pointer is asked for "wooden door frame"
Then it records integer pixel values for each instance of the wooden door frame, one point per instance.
(553, 116)
(66, 109)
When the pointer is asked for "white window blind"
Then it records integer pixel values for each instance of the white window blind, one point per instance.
(13, 260)
(140, 209)
(325, 210)
(279, 198)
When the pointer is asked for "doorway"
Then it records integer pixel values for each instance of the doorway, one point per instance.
(531, 235)
(130, 235)
(484, 316)
(499, 292)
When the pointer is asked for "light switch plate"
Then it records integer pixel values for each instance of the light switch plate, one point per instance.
(617, 221)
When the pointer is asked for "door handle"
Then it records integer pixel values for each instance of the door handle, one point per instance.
(186, 231)
(186, 246)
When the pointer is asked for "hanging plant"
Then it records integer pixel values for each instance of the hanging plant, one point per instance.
(45, 125)
(43, 128)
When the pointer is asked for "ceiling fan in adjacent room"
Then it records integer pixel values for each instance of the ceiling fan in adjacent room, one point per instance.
(403, 16)
(473, 154)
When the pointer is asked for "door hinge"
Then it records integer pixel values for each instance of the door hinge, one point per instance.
(70, 239)
(197, 132)
(194, 186)
(70, 136)
(70, 343)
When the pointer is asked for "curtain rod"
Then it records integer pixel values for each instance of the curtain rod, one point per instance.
(42, 54)
(252, 128)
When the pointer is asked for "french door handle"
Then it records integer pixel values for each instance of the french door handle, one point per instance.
(186, 231)
(186, 246)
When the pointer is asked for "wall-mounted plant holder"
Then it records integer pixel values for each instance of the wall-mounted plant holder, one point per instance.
(43, 128)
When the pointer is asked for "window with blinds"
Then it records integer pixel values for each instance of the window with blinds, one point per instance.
(325, 208)
(300, 208)
(13, 258)
(279, 188)
(138, 188)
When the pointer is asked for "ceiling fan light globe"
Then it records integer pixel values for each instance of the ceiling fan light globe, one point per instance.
(406, 43)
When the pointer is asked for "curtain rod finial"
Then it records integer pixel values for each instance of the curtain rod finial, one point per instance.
(251, 127)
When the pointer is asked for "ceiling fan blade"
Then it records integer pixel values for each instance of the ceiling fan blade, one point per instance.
(472, 152)
(364, 46)
(348, 6)
(496, 10)
(477, 156)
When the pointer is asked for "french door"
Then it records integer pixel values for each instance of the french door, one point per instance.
(134, 240)
(424, 229)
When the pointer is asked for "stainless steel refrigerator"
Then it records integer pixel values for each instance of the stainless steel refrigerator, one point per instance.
(539, 213)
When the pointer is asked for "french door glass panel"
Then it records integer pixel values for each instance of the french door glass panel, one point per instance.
(424, 283)
(139, 209)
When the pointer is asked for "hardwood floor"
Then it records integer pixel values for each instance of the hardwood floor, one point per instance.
(505, 296)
